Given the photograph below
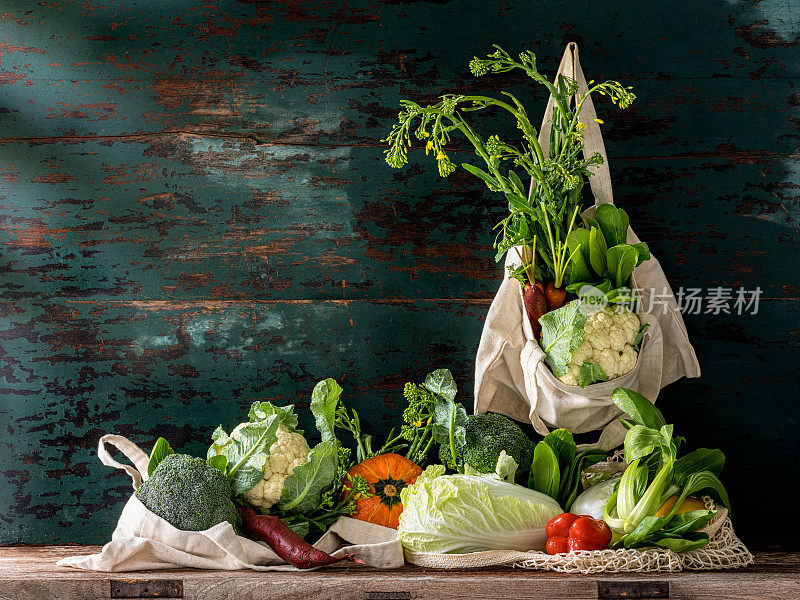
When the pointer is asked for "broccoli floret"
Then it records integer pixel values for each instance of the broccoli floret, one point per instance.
(489, 434)
(188, 494)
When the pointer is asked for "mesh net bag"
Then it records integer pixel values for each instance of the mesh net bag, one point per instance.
(723, 551)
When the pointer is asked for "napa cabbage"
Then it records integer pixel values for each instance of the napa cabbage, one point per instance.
(472, 513)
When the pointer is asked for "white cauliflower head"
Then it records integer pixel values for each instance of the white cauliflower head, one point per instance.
(608, 338)
(290, 450)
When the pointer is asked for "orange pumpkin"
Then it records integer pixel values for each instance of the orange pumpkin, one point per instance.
(387, 475)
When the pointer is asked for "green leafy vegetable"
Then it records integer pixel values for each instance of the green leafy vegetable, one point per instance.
(324, 404)
(441, 382)
(621, 260)
(246, 452)
(597, 250)
(558, 175)
(637, 341)
(605, 261)
(638, 408)
(449, 430)
(160, 451)
(590, 373)
(562, 333)
(557, 466)
(468, 513)
(260, 411)
(417, 426)
(613, 222)
(303, 489)
(545, 476)
(655, 474)
(643, 251)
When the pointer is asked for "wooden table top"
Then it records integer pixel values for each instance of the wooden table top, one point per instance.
(31, 573)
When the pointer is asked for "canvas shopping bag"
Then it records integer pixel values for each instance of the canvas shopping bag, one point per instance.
(144, 541)
(511, 377)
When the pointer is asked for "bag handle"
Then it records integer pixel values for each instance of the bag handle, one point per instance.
(600, 182)
(131, 451)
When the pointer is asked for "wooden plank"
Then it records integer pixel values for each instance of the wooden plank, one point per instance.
(96, 219)
(205, 77)
(31, 573)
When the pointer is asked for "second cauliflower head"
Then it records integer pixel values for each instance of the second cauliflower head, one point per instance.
(290, 450)
(608, 338)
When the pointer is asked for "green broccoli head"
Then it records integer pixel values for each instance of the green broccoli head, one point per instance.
(489, 434)
(188, 494)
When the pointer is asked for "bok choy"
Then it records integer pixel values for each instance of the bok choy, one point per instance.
(654, 475)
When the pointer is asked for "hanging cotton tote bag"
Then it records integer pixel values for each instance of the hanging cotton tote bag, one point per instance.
(143, 541)
(511, 377)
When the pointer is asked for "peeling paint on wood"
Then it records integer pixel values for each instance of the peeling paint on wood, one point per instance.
(195, 213)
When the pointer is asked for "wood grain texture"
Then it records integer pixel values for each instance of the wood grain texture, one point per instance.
(195, 213)
(31, 573)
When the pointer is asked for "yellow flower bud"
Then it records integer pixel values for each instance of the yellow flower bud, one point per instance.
(441, 156)
(599, 121)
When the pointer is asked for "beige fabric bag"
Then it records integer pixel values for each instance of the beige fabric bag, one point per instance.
(144, 541)
(511, 377)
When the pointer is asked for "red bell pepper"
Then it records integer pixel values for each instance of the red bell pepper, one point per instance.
(569, 533)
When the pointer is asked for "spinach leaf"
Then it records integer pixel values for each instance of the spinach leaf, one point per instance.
(303, 488)
(562, 333)
(613, 222)
(590, 373)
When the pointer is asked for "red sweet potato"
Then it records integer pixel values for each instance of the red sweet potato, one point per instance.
(285, 542)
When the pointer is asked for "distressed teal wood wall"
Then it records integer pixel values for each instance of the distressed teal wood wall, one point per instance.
(195, 213)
